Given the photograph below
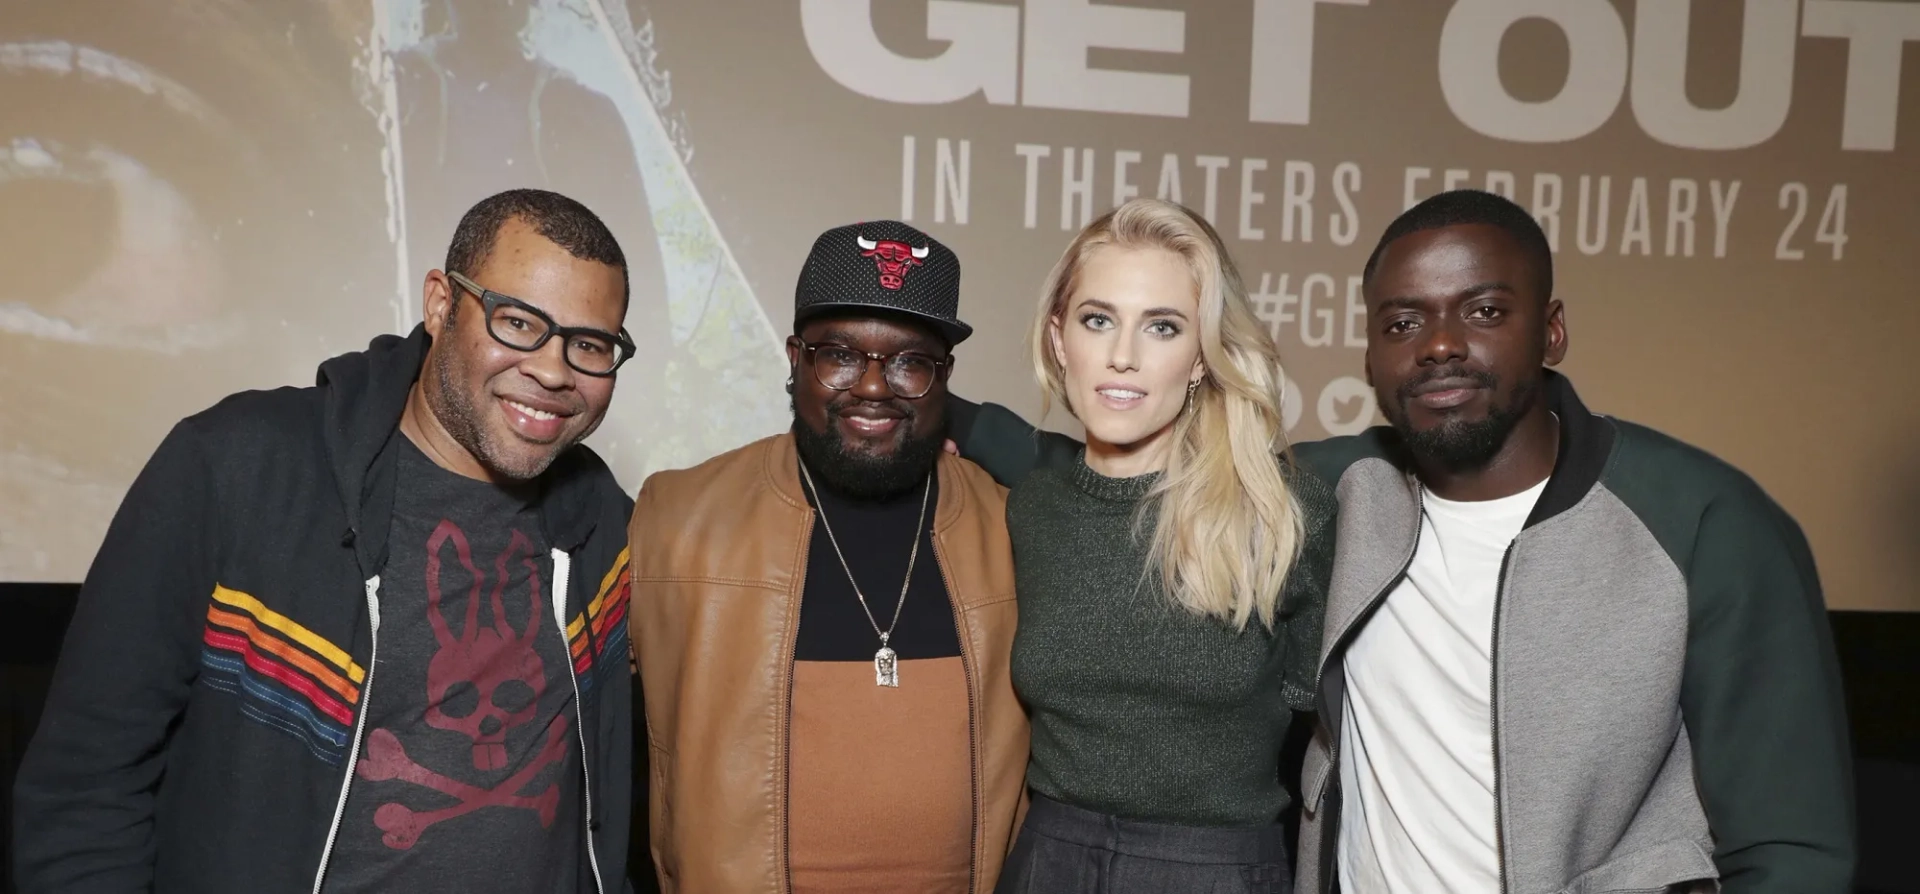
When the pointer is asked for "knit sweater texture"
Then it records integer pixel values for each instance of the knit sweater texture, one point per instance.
(1141, 709)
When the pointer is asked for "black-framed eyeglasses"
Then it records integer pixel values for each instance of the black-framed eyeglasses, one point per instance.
(910, 374)
(523, 327)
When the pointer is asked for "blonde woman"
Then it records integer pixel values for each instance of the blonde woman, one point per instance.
(1170, 572)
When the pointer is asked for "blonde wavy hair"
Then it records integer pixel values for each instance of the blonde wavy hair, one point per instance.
(1226, 528)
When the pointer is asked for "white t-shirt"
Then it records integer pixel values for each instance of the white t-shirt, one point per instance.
(1416, 748)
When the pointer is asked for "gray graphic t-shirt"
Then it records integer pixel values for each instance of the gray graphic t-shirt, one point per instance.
(469, 774)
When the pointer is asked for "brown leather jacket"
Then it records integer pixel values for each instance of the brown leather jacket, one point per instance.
(719, 560)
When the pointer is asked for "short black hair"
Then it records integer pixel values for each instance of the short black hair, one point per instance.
(1472, 206)
(558, 219)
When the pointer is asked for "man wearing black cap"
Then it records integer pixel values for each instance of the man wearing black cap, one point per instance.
(823, 617)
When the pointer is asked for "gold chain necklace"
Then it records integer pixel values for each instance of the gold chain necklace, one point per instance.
(886, 665)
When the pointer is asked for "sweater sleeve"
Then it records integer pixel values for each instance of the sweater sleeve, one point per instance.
(1304, 607)
(84, 796)
(999, 441)
(1762, 702)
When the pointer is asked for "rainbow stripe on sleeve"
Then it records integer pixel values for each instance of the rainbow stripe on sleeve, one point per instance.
(606, 616)
(287, 677)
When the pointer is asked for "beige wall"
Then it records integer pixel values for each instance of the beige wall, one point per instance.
(302, 169)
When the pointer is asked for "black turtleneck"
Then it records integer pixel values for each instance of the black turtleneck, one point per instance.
(875, 537)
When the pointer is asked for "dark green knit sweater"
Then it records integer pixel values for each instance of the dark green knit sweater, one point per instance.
(1140, 709)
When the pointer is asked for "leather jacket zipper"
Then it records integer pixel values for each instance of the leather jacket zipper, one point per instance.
(786, 787)
(973, 732)
(786, 719)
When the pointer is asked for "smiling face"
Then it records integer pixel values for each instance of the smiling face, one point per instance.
(1459, 337)
(1128, 345)
(867, 442)
(511, 412)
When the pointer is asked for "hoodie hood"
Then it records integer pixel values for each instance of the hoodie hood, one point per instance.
(365, 395)
(365, 392)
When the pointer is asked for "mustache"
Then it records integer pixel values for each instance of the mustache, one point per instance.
(841, 406)
(1478, 376)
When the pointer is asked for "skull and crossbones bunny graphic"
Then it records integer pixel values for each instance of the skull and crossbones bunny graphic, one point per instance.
(488, 660)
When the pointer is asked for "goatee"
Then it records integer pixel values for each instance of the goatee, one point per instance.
(1456, 444)
(453, 405)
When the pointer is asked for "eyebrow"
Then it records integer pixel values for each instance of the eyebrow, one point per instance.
(481, 292)
(1408, 302)
(1150, 312)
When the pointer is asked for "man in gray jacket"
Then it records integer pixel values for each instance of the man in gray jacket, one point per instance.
(1563, 652)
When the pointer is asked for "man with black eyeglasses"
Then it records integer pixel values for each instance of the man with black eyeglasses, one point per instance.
(823, 618)
(368, 635)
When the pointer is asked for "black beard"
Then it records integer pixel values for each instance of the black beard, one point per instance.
(1459, 445)
(863, 476)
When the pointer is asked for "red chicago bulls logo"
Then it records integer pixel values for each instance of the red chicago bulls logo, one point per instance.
(894, 258)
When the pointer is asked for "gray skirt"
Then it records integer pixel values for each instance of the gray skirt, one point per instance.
(1064, 849)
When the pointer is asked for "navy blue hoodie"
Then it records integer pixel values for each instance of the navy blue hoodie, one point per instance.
(204, 718)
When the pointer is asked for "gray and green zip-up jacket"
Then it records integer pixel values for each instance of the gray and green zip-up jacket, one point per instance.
(1667, 712)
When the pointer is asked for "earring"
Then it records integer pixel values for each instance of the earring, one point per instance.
(789, 383)
(1191, 388)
